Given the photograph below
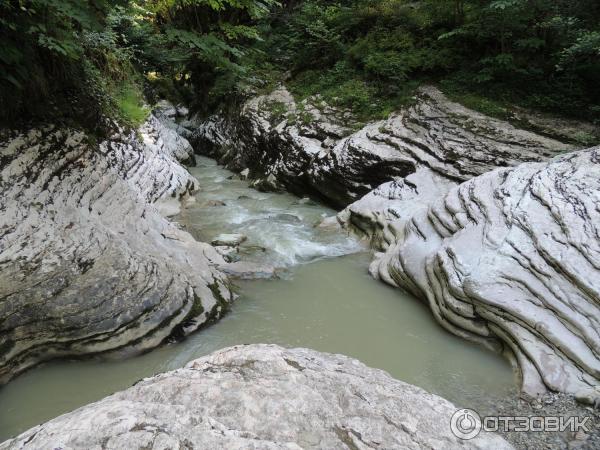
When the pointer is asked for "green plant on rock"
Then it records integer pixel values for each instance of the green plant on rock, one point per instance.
(131, 105)
(277, 111)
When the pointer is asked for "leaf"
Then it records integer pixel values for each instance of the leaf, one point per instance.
(12, 80)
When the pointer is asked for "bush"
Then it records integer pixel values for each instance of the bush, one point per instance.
(370, 54)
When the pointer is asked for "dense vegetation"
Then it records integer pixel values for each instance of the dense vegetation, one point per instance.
(369, 54)
(85, 59)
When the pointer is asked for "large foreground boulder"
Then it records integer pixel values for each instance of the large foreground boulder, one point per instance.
(511, 259)
(261, 397)
(88, 263)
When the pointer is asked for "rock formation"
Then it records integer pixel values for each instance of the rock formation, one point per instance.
(314, 150)
(509, 258)
(88, 263)
(261, 397)
(513, 256)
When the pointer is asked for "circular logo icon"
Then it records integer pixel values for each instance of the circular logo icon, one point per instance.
(465, 424)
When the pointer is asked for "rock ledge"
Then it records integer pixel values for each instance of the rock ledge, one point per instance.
(261, 397)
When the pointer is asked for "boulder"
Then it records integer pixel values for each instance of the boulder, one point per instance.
(229, 254)
(182, 111)
(304, 201)
(261, 397)
(511, 259)
(88, 264)
(213, 203)
(165, 108)
(267, 184)
(247, 270)
(330, 223)
(229, 240)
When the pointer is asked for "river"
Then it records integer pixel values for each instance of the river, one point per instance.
(324, 299)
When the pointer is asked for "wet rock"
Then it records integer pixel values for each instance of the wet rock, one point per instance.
(229, 240)
(165, 108)
(287, 218)
(261, 397)
(213, 203)
(268, 184)
(303, 201)
(330, 223)
(182, 111)
(247, 270)
(511, 259)
(250, 249)
(188, 200)
(230, 254)
(190, 122)
(88, 264)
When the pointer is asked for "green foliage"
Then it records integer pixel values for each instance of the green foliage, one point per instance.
(86, 59)
(80, 60)
(130, 103)
(370, 54)
(41, 52)
(207, 40)
(277, 111)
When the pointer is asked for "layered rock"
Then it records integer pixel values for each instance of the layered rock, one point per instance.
(447, 144)
(261, 397)
(512, 258)
(314, 150)
(506, 258)
(88, 263)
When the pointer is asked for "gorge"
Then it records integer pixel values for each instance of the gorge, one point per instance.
(261, 224)
(311, 305)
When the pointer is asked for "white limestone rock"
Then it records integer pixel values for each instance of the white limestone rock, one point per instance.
(321, 155)
(88, 264)
(511, 259)
(461, 247)
(261, 397)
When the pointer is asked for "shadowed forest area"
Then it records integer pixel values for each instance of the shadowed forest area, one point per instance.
(83, 60)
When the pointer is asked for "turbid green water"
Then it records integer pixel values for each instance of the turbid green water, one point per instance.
(330, 304)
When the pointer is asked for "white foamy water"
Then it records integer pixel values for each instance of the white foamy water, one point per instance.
(280, 227)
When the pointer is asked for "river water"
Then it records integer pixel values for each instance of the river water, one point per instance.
(324, 299)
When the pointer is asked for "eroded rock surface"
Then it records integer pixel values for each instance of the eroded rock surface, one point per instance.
(261, 397)
(313, 150)
(508, 258)
(88, 263)
(512, 258)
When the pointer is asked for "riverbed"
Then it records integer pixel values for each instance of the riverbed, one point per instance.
(323, 299)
